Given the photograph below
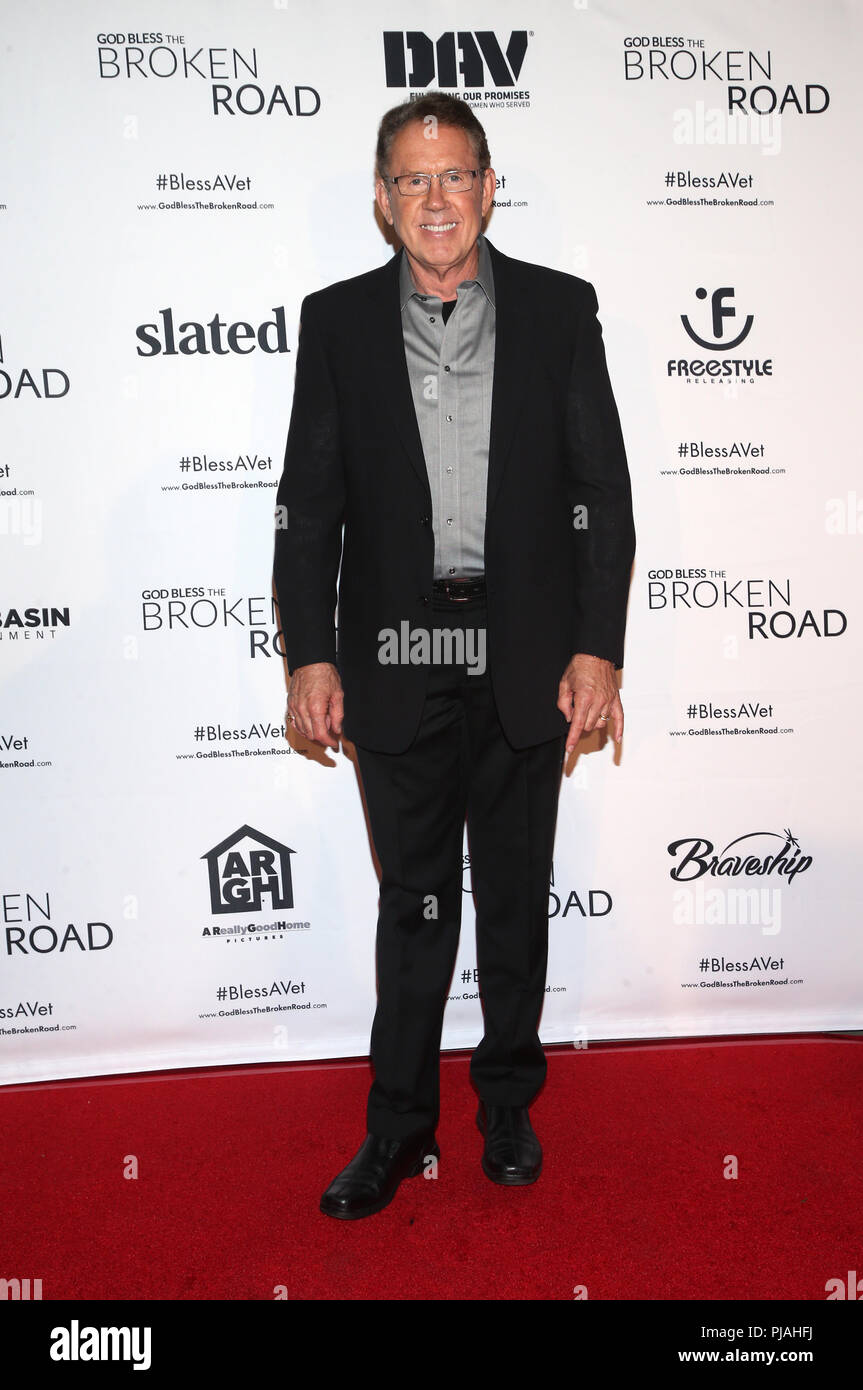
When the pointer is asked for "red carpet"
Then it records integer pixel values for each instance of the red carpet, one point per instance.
(632, 1202)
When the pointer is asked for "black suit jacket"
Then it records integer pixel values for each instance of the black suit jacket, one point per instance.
(354, 457)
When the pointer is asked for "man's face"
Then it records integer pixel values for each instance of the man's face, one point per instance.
(438, 229)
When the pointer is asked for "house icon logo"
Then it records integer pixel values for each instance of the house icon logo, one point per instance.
(245, 869)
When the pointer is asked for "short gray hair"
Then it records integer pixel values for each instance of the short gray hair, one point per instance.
(447, 110)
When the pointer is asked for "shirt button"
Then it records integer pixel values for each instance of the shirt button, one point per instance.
(449, 470)
(449, 417)
(431, 320)
(449, 521)
(452, 569)
(446, 369)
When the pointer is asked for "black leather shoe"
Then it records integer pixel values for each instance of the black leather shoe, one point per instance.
(512, 1154)
(372, 1177)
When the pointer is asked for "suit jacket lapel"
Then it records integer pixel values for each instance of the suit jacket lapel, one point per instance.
(392, 366)
(513, 356)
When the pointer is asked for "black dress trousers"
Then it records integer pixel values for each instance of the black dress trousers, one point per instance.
(459, 767)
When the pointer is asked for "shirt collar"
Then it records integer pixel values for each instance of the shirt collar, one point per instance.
(484, 276)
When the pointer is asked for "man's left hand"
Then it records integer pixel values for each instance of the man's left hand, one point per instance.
(588, 691)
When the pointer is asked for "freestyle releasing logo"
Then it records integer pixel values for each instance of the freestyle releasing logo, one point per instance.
(246, 868)
(54, 382)
(720, 312)
(721, 309)
(162, 57)
(754, 859)
(216, 336)
(463, 59)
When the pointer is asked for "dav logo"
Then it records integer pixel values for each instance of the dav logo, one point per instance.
(466, 59)
(247, 868)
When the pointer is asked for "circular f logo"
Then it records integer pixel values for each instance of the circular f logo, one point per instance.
(720, 312)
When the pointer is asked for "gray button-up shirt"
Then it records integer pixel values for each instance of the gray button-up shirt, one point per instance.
(451, 366)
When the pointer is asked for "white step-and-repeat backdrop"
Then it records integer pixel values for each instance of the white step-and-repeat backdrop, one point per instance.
(180, 885)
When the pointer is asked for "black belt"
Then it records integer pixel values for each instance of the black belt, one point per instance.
(459, 590)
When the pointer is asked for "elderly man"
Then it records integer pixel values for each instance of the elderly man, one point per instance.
(455, 446)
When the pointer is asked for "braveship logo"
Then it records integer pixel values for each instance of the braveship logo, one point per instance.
(749, 855)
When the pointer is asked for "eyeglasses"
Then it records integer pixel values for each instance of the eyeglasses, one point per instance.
(451, 181)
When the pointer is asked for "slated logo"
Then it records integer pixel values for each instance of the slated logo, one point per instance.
(749, 855)
(189, 339)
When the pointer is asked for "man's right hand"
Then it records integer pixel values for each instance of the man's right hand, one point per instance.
(316, 703)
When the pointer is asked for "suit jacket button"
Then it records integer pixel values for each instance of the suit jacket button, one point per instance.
(425, 521)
